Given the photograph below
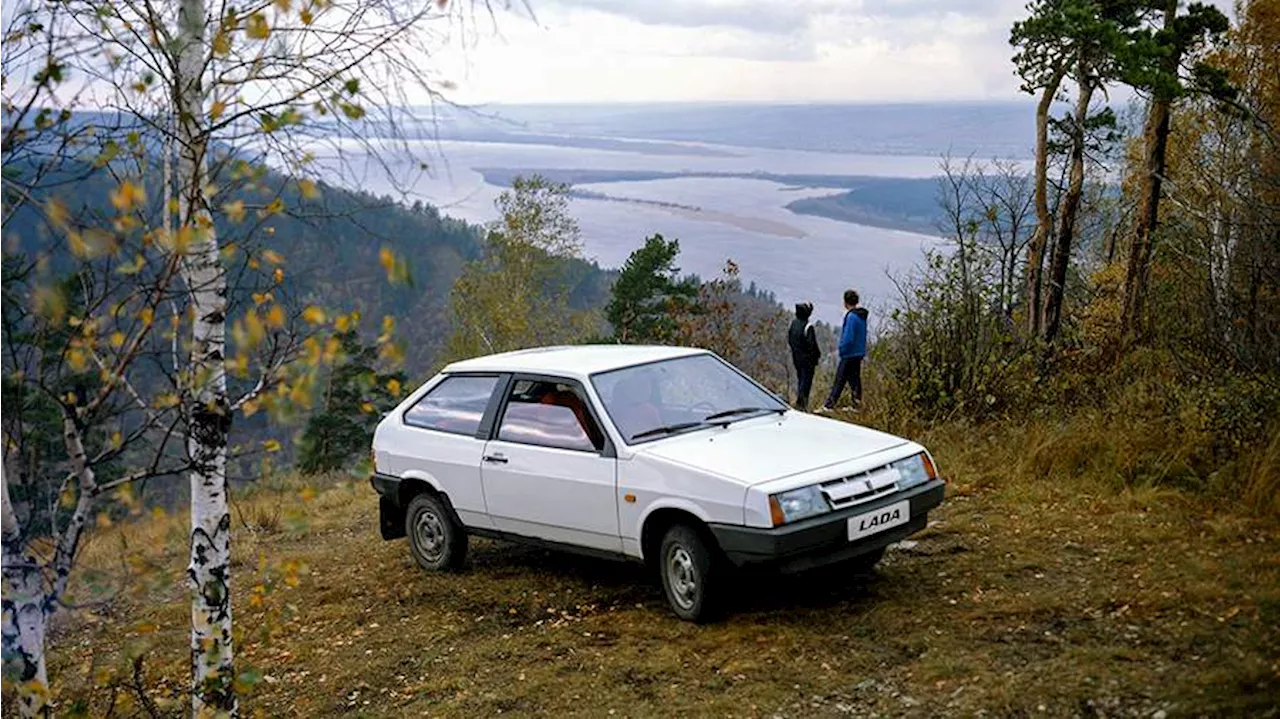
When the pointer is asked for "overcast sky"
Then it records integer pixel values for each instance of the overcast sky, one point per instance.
(752, 50)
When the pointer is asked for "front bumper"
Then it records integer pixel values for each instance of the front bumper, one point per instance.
(824, 539)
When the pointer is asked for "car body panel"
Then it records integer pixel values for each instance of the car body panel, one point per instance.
(772, 447)
(559, 495)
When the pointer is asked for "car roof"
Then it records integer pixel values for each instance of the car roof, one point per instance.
(574, 360)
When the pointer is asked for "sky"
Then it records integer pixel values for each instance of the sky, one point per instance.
(737, 50)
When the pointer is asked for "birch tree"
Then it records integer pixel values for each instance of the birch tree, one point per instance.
(208, 94)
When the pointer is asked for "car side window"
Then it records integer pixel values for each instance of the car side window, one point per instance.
(549, 414)
(456, 405)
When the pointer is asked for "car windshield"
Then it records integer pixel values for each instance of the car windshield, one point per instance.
(650, 401)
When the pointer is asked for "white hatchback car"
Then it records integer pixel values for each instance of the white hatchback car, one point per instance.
(666, 455)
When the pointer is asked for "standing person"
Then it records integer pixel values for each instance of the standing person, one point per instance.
(804, 353)
(853, 347)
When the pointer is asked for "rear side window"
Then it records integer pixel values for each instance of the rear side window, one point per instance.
(455, 405)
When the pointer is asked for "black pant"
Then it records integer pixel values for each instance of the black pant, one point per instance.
(849, 372)
(804, 383)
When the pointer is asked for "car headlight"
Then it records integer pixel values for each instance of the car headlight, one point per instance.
(914, 470)
(797, 504)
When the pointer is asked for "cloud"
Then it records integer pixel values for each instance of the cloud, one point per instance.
(711, 50)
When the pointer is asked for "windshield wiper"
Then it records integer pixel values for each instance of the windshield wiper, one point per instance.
(741, 410)
(666, 429)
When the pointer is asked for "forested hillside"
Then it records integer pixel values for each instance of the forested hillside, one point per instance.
(330, 240)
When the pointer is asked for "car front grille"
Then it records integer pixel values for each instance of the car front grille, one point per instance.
(861, 487)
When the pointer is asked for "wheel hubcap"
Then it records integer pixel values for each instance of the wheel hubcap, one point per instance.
(682, 576)
(428, 533)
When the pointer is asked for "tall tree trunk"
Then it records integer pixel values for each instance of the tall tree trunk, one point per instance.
(1044, 221)
(1155, 137)
(1069, 209)
(23, 630)
(209, 571)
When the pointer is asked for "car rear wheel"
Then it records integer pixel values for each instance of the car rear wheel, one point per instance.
(689, 574)
(436, 540)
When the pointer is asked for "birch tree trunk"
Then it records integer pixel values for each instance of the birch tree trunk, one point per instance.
(209, 416)
(1044, 220)
(22, 633)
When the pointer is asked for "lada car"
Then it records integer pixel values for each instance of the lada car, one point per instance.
(665, 455)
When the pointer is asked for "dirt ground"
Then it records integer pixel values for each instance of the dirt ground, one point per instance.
(1024, 597)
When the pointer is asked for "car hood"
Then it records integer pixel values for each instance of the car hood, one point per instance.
(758, 450)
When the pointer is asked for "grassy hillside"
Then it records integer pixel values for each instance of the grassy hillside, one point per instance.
(1040, 588)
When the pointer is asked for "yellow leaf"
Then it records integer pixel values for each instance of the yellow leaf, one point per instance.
(313, 315)
(103, 520)
(117, 339)
(271, 445)
(306, 16)
(388, 324)
(234, 210)
(78, 359)
(259, 298)
(278, 275)
(250, 407)
(367, 408)
(275, 208)
(56, 211)
(307, 494)
(284, 5)
(217, 108)
(387, 259)
(254, 330)
(147, 315)
(147, 628)
(257, 28)
(342, 323)
(221, 43)
(272, 256)
(168, 399)
(308, 189)
(275, 317)
(240, 365)
(331, 347)
(393, 386)
(182, 240)
(127, 196)
(157, 512)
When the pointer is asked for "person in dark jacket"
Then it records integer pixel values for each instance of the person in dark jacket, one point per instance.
(853, 347)
(804, 353)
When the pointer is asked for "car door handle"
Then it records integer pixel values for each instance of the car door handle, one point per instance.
(495, 458)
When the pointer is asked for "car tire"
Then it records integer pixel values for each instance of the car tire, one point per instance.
(690, 574)
(436, 540)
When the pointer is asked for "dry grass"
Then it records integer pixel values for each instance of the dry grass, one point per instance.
(1046, 587)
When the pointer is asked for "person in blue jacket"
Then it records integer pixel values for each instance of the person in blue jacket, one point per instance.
(853, 347)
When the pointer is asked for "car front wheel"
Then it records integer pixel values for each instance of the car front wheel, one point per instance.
(689, 577)
(436, 540)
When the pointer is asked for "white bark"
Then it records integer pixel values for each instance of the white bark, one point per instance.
(209, 414)
(22, 633)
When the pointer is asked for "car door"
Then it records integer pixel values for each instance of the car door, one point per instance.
(443, 440)
(550, 471)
